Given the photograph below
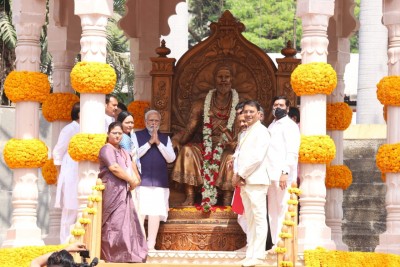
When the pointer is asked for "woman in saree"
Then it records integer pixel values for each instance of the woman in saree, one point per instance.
(122, 238)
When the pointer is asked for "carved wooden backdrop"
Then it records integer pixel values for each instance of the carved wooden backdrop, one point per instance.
(253, 70)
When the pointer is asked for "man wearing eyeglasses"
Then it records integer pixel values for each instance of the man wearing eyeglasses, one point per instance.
(155, 151)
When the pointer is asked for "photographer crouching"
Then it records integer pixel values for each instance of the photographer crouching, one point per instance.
(63, 258)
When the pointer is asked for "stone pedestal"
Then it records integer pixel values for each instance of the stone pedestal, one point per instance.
(190, 229)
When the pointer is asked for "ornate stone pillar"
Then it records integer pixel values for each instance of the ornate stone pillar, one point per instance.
(341, 27)
(28, 20)
(312, 230)
(389, 241)
(92, 116)
(144, 22)
(372, 61)
(63, 35)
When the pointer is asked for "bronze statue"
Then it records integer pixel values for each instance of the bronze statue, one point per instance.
(205, 164)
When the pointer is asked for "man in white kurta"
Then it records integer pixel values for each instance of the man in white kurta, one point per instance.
(67, 183)
(282, 165)
(155, 152)
(252, 170)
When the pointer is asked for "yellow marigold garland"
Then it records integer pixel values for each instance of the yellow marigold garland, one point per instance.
(26, 86)
(322, 257)
(286, 264)
(288, 222)
(25, 153)
(313, 78)
(388, 92)
(280, 250)
(316, 149)
(85, 221)
(138, 109)
(338, 176)
(295, 190)
(338, 116)
(58, 106)
(285, 235)
(85, 146)
(22, 256)
(99, 187)
(49, 172)
(93, 77)
(388, 158)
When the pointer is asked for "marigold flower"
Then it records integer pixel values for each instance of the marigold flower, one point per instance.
(93, 77)
(313, 78)
(85, 146)
(138, 109)
(49, 172)
(26, 86)
(25, 153)
(338, 116)
(58, 106)
(338, 176)
(388, 92)
(316, 149)
(388, 158)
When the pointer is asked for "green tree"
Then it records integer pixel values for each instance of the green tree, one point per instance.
(269, 24)
(354, 38)
(202, 13)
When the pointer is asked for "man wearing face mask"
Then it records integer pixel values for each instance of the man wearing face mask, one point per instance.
(282, 164)
(155, 151)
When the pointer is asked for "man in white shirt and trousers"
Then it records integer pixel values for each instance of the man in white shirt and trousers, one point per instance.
(282, 164)
(252, 172)
(67, 182)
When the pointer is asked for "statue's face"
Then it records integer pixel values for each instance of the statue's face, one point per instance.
(223, 81)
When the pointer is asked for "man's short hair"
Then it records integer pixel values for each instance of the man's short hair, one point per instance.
(76, 108)
(122, 106)
(287, 101)
(252, 103)
(294, 111)
(109, 96)
(151, 111)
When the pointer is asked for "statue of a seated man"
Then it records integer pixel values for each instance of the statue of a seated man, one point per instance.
(205, 164)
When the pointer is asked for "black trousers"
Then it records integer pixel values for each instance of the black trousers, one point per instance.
(269, 243)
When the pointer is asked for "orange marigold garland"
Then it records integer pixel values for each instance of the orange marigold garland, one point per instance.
(388, 92)
(313, 78)
(49, 172)
(388, 158)
(138, 109)
(85, 146)
(26, 86)
(338, 176)
(316, 149)
(58, 106)
(93, 77)
(338, 116)
(25, 153)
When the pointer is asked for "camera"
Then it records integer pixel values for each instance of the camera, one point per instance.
(84, 256)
